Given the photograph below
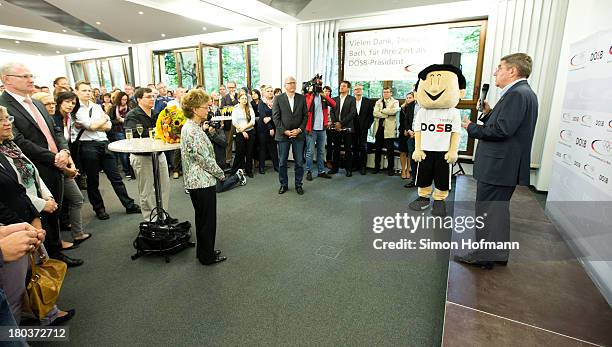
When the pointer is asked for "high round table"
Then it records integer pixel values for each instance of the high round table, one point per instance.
(152, 146)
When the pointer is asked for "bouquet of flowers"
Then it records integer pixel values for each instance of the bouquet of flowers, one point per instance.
(169, 124)
(227, 111)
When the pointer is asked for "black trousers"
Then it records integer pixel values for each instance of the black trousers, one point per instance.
(329, 145)
(389, 148)
(204, 202)
(51, 221)
(343, 138)
(493, 201)
(244, 150)
(361, 149)
(95, 157)
(267, 146)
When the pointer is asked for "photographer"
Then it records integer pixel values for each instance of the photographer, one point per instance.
(317, 104)
(217, 137)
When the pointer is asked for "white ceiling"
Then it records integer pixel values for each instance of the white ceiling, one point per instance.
(120, 19)
(34, 48)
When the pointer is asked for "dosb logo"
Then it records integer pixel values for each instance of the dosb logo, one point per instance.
(566, 135)
(602, 147)
(438, 128)
(586, 120)
(589, 170)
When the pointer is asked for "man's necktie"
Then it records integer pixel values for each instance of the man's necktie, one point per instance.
(38, 117)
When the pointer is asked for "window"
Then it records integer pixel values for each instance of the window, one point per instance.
(464, 37)
(106, 72)
(234, 65)
(211, 68)
(254, 65)
(208, 65)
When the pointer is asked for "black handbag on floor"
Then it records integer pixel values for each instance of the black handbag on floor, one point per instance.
(162, 239)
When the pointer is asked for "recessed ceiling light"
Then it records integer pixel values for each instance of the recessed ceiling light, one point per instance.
(64, 30)
(163, 35)
(129, 40)
(16, 41)
(58, 52)
(204, 28)
(140, 12)
(40, 55)
(98, 23)
(79, 48)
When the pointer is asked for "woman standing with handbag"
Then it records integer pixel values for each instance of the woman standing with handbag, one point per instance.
(200, 173)
(18, 181)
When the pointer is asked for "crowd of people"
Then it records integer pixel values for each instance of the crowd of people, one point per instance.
(54, 145)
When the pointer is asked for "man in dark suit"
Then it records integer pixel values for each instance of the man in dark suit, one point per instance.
(290, 114)
(343, 128)
(503, 155)
(35, 135)
(363, 121)
(230, 99)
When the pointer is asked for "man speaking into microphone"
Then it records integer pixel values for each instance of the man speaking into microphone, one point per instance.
(503, 156)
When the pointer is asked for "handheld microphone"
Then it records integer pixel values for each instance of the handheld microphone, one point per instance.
(483, 96)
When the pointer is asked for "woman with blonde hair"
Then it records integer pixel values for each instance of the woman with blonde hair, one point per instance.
(200, 173)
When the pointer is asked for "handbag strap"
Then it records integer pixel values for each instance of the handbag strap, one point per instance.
(82, 130)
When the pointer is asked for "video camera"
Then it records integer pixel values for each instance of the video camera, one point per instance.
(315, 85)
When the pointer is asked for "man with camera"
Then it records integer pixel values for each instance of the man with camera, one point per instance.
(317, 104)
(343, 128)
(217, 137)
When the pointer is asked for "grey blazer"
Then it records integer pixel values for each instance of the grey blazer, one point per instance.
(285, 119)
(503, 155)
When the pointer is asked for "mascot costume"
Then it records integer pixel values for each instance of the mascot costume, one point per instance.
(437, 127)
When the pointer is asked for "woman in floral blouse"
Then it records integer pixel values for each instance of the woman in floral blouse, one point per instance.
(201, 172)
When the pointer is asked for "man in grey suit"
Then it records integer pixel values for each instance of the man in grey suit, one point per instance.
(290, 115)
(503, 155)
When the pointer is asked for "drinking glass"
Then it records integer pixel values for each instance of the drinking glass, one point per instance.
(128, 134)
(139, 129)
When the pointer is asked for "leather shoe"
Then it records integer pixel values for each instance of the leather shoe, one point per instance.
(324, 175)
(299, 190)
(79, 241)
(102, 215)
(217, 259)
(262, 171)
(376, 170)
(333, 171)
(471, 260)
(283, 190)
(217, 252)
(362, 171)
(71, 262)
(349, 174)
(133, 209)
(63, 319)
(309, 176)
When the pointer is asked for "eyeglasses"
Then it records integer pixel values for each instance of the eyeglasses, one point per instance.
(24, 76)
(9, 119)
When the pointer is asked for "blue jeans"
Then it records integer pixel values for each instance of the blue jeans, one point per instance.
(7, 320)
(230, 182)
(297, 147)
(317, 137)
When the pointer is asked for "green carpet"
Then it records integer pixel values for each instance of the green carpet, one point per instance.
(284, 282)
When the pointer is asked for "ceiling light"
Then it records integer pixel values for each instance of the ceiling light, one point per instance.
(40, 55)
(79, 48)
(98, 23)
(163, 35)
(129, 40)
(140, 12)
(204, 28)
(16, 41)
(58, 52)
(64, 30)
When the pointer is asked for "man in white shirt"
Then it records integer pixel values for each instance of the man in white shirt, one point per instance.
(88, 128)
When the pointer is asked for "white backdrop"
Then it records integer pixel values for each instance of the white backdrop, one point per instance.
(393, 54)
(580, 194)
